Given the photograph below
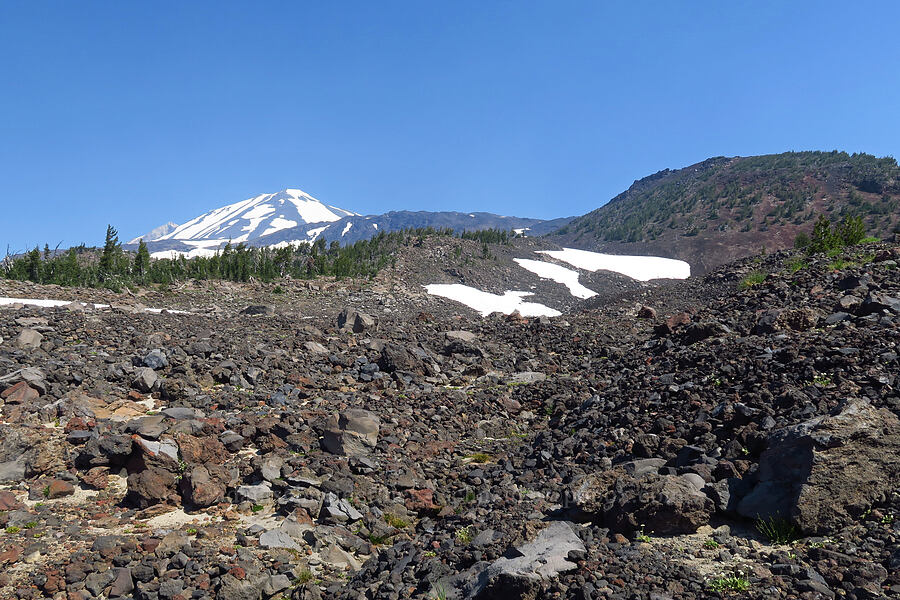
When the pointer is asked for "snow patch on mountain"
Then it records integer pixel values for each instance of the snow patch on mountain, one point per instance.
(487, 303)
(47, 303)
(312, 234)
(557, 273)
(642, 268)
(173, 254)
(279, 223)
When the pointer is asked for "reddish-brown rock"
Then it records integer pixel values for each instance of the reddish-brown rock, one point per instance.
(201, 450)
(97, 478)
(8, 501)
(10, 555)
(57, 488)
(421, 501)
(19, 393)
(79, 424)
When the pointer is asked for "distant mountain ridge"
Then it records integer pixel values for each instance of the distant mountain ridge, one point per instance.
(292, 216)
(725, 208)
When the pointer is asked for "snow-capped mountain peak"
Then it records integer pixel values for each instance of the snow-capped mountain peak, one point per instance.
(155, 234)
(258, 216)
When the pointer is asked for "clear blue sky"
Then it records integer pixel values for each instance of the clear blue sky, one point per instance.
(136, 113)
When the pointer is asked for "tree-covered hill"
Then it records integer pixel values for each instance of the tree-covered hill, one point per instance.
(725, 208)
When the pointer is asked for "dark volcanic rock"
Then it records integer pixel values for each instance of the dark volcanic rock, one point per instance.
(825, 472)
(354, 321)
(395, 357)
(354, 432)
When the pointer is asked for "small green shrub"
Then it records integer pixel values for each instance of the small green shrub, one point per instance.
(754, 278)
(821, 380)
(796, 264)
(642, 537)
(777, 530)
(479, 457)
(732, 583)
(13, 529)
(711, 544)
(305, 576)
(439, 591)
(395, 521)
(256, 508)
(278, 290)
(464, 535)
(839, 264)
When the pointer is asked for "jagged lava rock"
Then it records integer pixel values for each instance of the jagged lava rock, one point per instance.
(826, 471)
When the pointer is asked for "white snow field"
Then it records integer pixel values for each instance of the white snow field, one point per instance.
(173, 254)
(487, 303)
(642, 268)
(55, 303)
(557, 273)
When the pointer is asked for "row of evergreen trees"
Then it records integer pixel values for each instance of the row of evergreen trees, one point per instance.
(115, 268)
(827, 236)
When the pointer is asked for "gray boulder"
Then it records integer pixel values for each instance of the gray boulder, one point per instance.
(825, 472)
(338, 510)
(232, 588)
(255, 493)
(315, 348)
(259, 309)
(665, 504)
(354, 433)
(461, 336)
(541, 559)
(29, 339)
(277, 538)
(156, 359)
(145, 380)
(354, 321)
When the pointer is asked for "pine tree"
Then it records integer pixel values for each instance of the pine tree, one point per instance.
(111, 249)
(33, 265)
(823, 238)
(851, 231)
(70, 270)
(142, 261)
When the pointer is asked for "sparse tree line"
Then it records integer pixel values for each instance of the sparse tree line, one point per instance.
(113, 267)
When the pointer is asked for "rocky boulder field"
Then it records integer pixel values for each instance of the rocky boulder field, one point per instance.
(734, 435)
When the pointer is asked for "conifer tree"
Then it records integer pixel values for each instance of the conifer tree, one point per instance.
(111, 249)
(142, 261)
